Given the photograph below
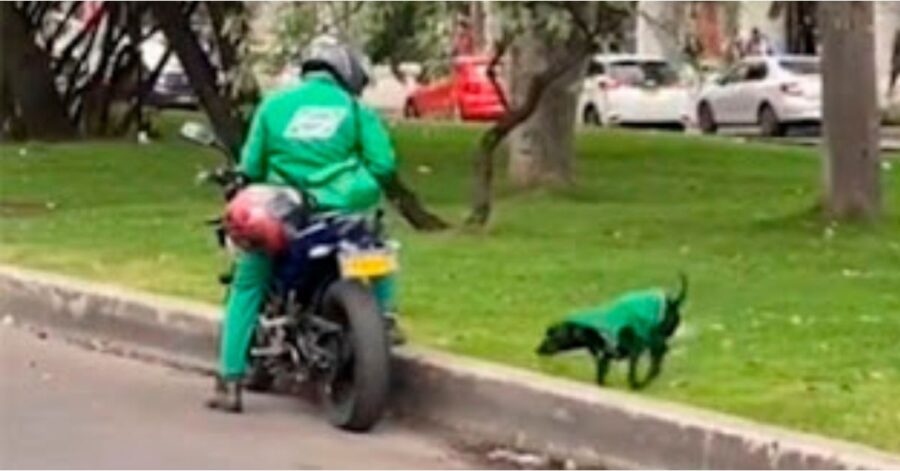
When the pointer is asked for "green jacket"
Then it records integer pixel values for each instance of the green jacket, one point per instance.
(317, 138)
(642, 311)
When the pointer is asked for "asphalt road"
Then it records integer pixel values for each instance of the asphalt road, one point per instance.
(65, 406)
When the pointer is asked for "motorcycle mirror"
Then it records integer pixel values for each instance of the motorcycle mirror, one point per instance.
(198, 133)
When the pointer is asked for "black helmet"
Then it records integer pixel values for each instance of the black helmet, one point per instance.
(343, 63)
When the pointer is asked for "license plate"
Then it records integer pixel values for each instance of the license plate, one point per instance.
(367, 263)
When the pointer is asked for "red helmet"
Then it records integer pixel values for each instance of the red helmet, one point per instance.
(254, 218)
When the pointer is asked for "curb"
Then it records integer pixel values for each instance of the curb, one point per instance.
(477, 402)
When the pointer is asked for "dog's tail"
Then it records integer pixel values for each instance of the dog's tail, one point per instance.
(682, 292)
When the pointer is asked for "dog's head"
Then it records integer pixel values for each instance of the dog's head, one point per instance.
(674, 303)
(567, 336)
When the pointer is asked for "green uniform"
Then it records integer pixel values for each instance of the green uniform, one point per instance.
(640, 311)
(317, 138)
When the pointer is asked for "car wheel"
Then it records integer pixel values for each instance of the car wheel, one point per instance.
(705, 119)
(410, 111)
(769, 125)
(591, 117)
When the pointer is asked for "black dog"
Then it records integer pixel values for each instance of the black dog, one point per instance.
(631, 325)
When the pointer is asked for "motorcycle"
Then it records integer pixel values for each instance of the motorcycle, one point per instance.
(320, 322)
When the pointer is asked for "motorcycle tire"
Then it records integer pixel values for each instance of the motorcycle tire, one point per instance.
(355, 398)
(258, 379)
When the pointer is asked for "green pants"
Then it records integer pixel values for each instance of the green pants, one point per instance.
(252, 275)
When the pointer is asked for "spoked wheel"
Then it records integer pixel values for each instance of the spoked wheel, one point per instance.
(355, 392)
(705, 119)
(410, 111)
(768, 122)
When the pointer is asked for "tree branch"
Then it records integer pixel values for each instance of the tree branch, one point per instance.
(196, 64)
(51, 39)
(499, 51)
(406, 201)
(73, 44)
(144, 90)
(484, 154)
(483, 159)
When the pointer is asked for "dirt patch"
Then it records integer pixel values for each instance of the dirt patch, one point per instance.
(12, 209)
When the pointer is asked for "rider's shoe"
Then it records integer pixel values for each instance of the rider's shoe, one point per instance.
(227, 396)
(395, 333)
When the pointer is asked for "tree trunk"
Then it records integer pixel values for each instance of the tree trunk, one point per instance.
(483, 158)
(850, 111)
(479, 25)
(10, 126)
(30, 82)
(177, 30)
(541, 149)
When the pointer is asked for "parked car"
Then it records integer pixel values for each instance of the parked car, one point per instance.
(173, 90)
(467, 93)
(173, 87)
(633, 89)
(774, 92)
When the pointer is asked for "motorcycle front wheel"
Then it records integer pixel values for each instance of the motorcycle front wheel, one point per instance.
(356, 393)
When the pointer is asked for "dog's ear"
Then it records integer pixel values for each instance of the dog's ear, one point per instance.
(674, 302)
(677, 298)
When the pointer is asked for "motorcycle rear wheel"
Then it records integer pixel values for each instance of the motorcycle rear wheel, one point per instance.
(356, 394)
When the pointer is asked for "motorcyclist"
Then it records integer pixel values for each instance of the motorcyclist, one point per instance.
(316, 137)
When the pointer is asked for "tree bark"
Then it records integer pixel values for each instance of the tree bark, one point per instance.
(542, 148)
(483, 159)
(479, 24)
(850, 111)
(30, 82)
(407, 202)
(177, 30)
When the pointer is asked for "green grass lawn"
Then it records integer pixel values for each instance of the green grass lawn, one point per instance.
(790, 321)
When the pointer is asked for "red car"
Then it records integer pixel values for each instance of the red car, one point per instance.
(467, 93)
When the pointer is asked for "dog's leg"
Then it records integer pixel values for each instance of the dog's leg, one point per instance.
(657, 355)
(633, 359)
(602, 364)
(656, 359)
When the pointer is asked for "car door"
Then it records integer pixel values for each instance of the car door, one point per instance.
(594, 80)
(748, 93)
(435, 98)
(724, 97)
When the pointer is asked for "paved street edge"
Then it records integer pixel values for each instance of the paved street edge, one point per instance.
(475, 401)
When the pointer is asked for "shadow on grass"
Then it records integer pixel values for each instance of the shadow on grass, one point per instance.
(814, 220)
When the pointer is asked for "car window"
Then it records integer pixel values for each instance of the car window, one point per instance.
(596, 68)
(656, 73)
(756, 72)
(801, 67)
(736, 74)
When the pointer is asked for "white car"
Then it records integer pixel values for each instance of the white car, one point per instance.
(773, 92)
(633, 89)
